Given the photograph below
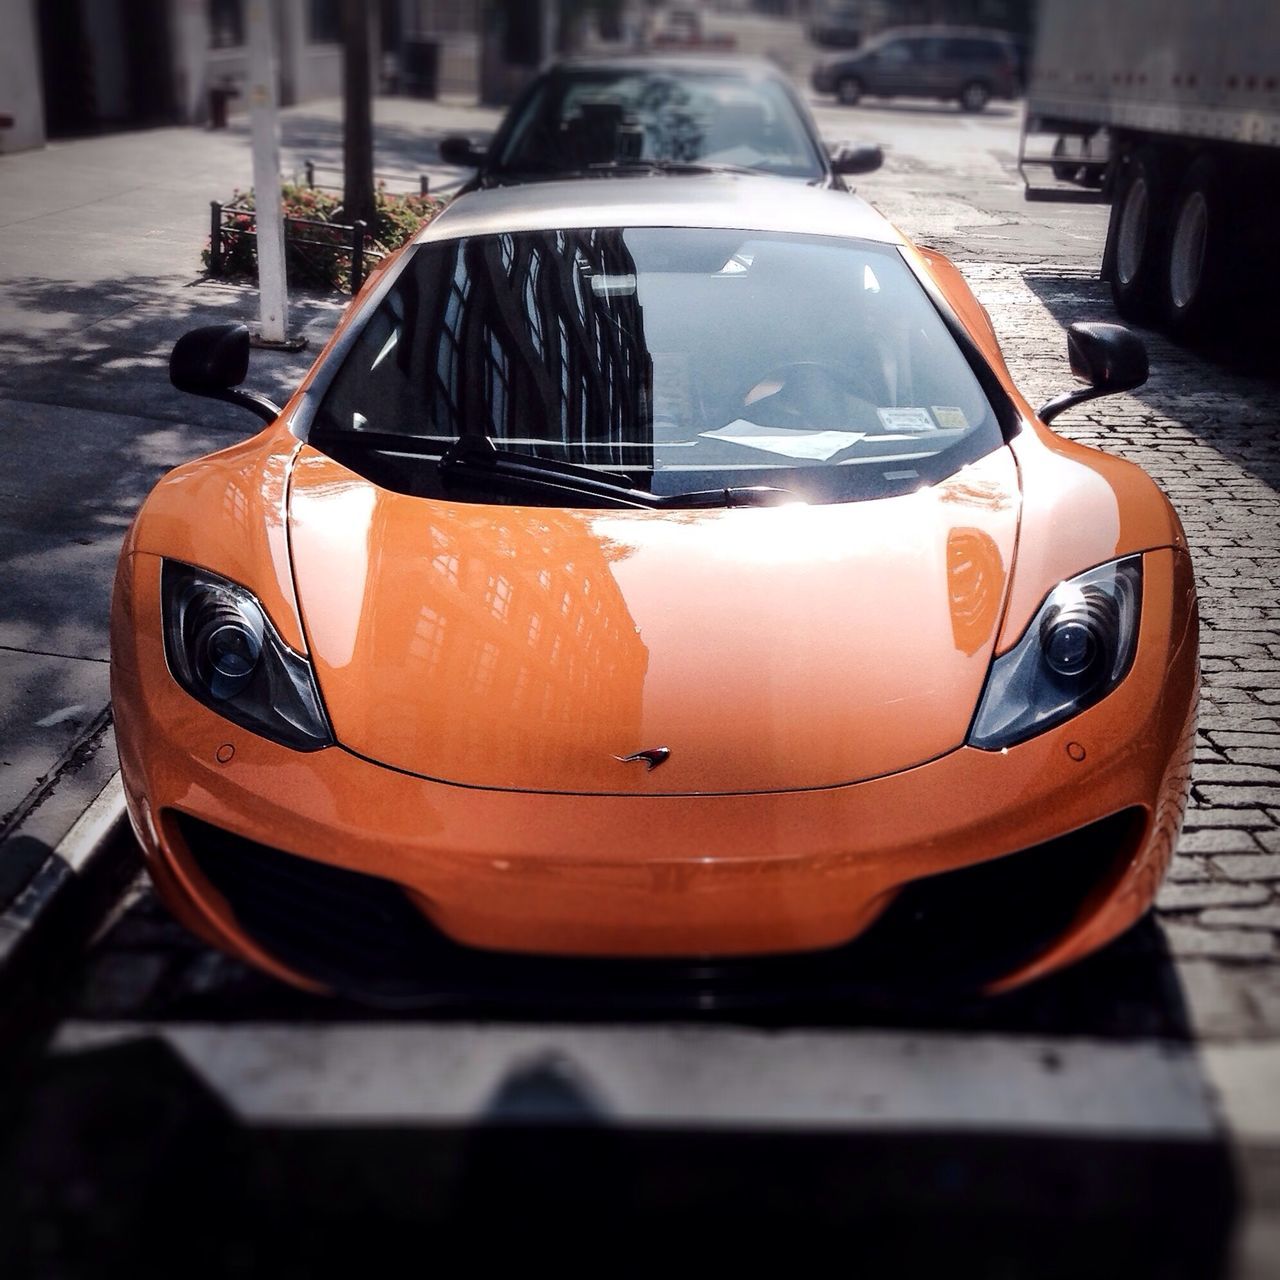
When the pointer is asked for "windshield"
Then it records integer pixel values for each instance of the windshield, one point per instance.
(679, 358)
(574, 121)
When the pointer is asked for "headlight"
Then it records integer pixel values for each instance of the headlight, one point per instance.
(1078, 647)
(223, 650)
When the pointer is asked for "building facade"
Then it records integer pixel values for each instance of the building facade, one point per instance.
(75, 67)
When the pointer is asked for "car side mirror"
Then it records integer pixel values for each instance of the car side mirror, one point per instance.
(846, 159)
(462, 152)
(1108, 357)
(213, 361)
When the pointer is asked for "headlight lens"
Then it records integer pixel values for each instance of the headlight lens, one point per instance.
(223, 650)
(1078, 647)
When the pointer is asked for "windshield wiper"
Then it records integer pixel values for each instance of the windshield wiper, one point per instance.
(675, 167)
(476, 457)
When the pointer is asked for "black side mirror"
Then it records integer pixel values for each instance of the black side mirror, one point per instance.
(1108, 357)
(462, 152)
(846, 159)
(213, 361)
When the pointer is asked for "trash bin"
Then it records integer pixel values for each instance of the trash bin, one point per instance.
(420, 69)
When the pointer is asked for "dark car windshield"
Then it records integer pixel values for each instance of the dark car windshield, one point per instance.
(574, 120)
(681, 358)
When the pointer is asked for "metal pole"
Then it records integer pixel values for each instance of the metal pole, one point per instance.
(424, 185)
(357, 256)
(215, 238)
(273, 296)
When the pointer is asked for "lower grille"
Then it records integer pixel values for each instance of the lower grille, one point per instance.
(981, 923)
(361, 936)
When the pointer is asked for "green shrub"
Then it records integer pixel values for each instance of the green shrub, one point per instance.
(316, 252)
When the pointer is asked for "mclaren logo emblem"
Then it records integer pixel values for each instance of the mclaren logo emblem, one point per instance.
(652, 758)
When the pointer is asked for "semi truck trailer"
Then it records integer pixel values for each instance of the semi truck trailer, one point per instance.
(1169, 110)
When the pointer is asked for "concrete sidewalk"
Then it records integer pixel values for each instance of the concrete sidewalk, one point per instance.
(100, 243)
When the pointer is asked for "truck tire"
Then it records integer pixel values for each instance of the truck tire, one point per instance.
(849, 90)
(1137, 235)
(1195, 272)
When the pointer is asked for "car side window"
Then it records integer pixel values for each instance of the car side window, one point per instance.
(973, 51)
(896, 54)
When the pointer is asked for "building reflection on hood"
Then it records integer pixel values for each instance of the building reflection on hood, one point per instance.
(522, 616)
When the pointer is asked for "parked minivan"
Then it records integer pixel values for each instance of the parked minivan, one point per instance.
(963, 64)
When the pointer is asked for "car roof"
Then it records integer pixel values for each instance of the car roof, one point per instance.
(724, 64)
(746, 202)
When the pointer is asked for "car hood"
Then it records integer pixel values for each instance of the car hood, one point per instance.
(766, 649)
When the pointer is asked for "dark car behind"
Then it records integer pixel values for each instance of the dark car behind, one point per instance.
(965, 65)
(610, 116)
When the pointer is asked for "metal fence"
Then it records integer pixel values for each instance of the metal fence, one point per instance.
(224, 228)
(310, 168)
(225, 221)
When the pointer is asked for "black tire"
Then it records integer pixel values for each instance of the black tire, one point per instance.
(1136, 237)
(1195, 258)
(849, 91)
(975, 96)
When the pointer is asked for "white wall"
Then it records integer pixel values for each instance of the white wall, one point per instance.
(320, 72)
(20, 94)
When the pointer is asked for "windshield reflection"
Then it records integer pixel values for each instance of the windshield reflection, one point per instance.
(536, 341)
(584, 118)
(681, 359)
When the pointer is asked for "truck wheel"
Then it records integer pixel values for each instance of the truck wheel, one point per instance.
(849, 90)
(1197, 244)
(1137, 235)
(974, 96)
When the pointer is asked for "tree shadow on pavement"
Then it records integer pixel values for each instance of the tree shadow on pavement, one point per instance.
(90, 422)
(105, 345)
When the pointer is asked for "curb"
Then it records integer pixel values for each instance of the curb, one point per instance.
(77, 854)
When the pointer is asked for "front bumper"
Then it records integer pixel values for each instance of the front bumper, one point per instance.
(717, 876)
(364, 937)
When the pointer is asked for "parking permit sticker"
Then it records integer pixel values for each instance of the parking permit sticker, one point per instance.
(950, 418)
(906, 419)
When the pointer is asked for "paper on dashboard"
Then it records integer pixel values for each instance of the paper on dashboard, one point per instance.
(814, 446)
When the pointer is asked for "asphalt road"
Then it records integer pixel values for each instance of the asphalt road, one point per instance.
(1119, 1110)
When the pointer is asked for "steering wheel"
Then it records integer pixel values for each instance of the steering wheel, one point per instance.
(805, 395)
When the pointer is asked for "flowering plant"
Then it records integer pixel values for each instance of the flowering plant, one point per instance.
(317, 239)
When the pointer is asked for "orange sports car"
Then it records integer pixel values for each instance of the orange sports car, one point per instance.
(656, 579)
